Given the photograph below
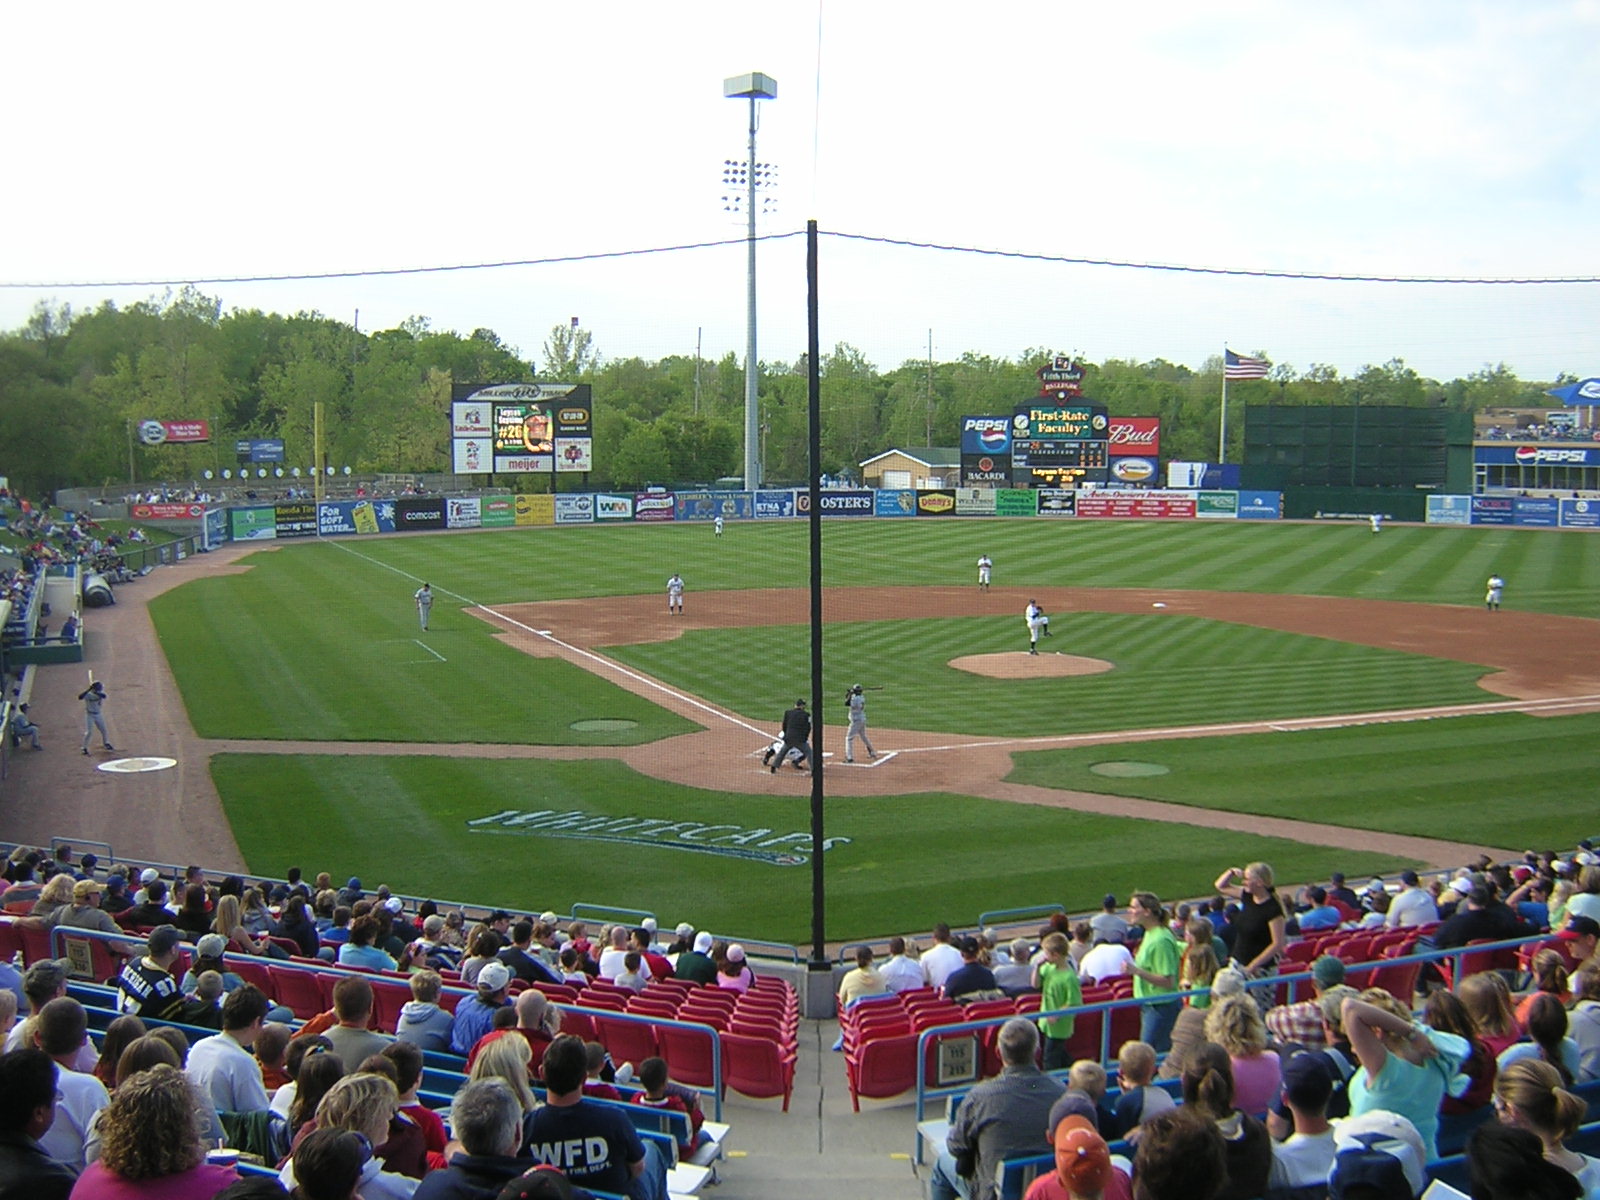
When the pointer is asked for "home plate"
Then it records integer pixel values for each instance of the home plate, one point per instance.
(134, 766)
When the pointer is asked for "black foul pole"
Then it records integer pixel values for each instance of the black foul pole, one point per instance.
(819, 951)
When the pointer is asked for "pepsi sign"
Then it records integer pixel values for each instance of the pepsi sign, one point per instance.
(986, 435)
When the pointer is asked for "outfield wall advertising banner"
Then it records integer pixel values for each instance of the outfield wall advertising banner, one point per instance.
(154, 433)
(252, 524)
(894, 502)
(1494, 510)
(1148, 506)
(499, 512)
(259, 450)
(1537, 510)
(355, 516)
(986, 435)
(1135, 435)
(707, 506)
(575, 510)
(463, 512)
(1449, 510)
(936, 502)
(534, 509)
(654, 506)
(296, 519)
(1016, 502)
(847, 504)
(419, 512)
(167, 512)
(773, 504)
(1057, 502)
(1580, 514)
(1215, 505)
(610, 507)
(1537, 456)
(1260, 506)
(975, 502)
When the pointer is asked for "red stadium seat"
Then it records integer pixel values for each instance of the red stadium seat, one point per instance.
(758, 1068)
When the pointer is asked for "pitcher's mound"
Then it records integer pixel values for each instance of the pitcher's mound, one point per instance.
(1019, 664)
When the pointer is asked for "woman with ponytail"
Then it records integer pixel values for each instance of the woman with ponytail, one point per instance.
(1547, 1027)
(1208, 1090)
(1530, 1095)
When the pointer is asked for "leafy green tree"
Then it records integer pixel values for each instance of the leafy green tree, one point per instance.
(569, 354)
(642, 457)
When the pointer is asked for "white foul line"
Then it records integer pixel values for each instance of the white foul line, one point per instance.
(429, 649)
(1292, 725)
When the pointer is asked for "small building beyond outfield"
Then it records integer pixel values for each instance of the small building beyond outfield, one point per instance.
(933, 467)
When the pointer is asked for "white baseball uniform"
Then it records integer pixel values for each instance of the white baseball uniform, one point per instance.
(718, 525)
(424, 598)
(675, 594)
(984, 564)
(1491, 599)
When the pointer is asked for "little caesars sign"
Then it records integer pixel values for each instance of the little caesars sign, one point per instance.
(730, 841)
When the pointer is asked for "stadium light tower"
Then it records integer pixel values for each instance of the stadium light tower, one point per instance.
(753, 86)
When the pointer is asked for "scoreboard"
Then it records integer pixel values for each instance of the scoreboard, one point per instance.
(1086, 455)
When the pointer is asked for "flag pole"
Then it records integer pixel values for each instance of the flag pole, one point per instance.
(1222, 417)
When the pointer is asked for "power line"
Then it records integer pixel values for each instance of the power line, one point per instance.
(1019, 255)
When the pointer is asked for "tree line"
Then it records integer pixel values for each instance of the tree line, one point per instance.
(74, 384)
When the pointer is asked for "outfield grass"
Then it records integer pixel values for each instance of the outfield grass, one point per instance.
(1545, 571)
(908, 861)
(1504, 780)
(1169, 670)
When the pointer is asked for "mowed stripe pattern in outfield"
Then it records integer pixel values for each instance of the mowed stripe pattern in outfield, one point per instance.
(1545, 570)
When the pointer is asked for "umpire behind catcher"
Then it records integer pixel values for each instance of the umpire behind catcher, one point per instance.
(796, 735)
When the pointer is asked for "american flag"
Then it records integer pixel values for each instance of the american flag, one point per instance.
(1242, 366)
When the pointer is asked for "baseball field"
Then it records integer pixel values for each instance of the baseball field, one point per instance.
(1311, 695)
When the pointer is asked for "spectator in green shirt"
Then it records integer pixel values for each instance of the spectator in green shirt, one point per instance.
(1155, 971)
(1058, 984)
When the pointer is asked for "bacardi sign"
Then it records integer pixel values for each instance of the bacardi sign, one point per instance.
(1136, 435)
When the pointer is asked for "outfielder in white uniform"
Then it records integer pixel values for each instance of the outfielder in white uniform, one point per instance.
(675, 594)
(1491, 599)
(984, 564)
(856, 701)
(424, 599)
(1038, 624)
(717, 525)
(1377, 522)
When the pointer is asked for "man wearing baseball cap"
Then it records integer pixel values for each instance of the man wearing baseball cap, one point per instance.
(1084, 1167)
(475, 1016)
(1300, 1024)
(1305, 1156)
(148, 989)
(1581, 936)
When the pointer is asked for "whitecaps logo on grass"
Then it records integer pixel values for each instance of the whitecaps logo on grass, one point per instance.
(729, 841)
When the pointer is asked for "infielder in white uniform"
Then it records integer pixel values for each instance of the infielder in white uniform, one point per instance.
(92, 699)
(1491, 599)
(424, 598)
(1038, 624)
(984, 564)
(675, 594)
(856, 701)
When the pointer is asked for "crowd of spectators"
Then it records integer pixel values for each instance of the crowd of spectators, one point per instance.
(1260, 1086)
(1537, 431)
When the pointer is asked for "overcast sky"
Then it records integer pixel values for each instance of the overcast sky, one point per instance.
(182, 141)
